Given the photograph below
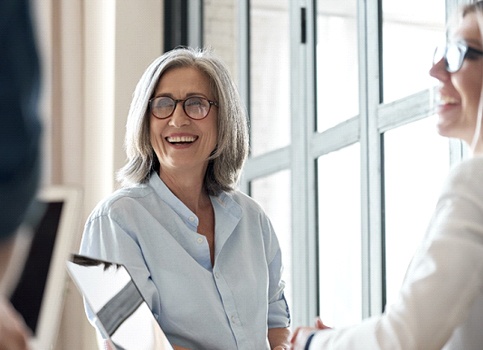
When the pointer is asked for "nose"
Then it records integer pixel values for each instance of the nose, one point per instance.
(179, 117)
(438, 70)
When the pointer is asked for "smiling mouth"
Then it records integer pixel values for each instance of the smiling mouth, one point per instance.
(447, 100)
(181, 139)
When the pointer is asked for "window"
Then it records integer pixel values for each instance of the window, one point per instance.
(273, 195)
(414, 156)
(404, 58)
(268, 176)
(337, 71)
(269, 75)
(338, 236)
(353, 130)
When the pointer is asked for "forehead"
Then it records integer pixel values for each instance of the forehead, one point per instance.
(469, 29)
(184, 80)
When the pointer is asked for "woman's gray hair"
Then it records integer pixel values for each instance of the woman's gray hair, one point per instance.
(227, 159)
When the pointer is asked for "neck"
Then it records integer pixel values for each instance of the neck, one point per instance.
(188, 189)
(476, 148)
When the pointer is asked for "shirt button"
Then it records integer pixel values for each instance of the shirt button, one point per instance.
(217, 275)
(233, 319)
(199, 240)
(191, 218)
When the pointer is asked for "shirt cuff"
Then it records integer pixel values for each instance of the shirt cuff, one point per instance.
(309, 340)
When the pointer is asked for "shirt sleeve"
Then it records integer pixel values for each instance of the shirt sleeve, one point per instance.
(107, 238)
(442, 282)
(278, 310)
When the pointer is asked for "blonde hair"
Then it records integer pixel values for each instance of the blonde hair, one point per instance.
(477, 6)
(231, 151)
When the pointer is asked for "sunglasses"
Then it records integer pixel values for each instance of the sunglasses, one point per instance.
(454, 53)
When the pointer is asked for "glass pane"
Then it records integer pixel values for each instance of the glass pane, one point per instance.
(340, 238)
(416, 162)
(277, 205)
(411, 31)
(269, 75)
(337, 73)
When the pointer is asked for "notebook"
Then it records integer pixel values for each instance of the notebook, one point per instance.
(119, 312)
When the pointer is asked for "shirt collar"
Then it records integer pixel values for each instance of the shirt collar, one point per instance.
(174, 202)
(224, 200)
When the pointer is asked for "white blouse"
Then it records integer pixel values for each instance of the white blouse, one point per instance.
(440, 304)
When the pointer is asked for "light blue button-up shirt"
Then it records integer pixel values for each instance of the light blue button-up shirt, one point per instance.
(229, 305)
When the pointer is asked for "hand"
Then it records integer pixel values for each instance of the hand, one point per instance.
(300, 337)
(320, 325)
(301, 334)
(14, 333)
(107, 345)
(279, 338)
(175, 347)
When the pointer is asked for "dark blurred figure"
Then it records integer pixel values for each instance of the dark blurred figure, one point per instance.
(19, 144)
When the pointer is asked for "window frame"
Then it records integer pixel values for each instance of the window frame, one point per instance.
(367, 128)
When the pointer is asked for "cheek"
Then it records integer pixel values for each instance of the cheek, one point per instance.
(152, 135)
(155, 128)
(474, 94)
(469, 89)
(152, 140)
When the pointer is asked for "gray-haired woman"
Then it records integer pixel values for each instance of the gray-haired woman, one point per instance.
(205, 255)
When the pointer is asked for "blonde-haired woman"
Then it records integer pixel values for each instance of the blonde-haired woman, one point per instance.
(440, 304)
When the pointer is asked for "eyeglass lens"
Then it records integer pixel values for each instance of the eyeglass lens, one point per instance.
(453, 55)
(194, 107)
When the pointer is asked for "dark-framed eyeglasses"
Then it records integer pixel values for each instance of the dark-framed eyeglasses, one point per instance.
(454, 53)
(195, 107)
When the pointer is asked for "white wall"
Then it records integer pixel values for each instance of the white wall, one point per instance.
(93, 55)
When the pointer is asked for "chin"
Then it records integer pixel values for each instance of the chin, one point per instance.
(452, 131)
(444, 128)
(449, 124)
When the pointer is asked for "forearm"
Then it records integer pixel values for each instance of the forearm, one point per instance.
(279, 338)
(14, 333)
(175, 347)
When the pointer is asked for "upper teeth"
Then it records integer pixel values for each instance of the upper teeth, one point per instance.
(181, 139)
(448, 100)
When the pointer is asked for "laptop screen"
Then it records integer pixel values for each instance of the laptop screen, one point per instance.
(36, 278)
(117, 308)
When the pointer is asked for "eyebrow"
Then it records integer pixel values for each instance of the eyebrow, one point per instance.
(189, 94)
(475, 43)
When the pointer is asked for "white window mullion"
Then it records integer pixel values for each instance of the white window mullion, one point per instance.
(305, 272)
(371, 205)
